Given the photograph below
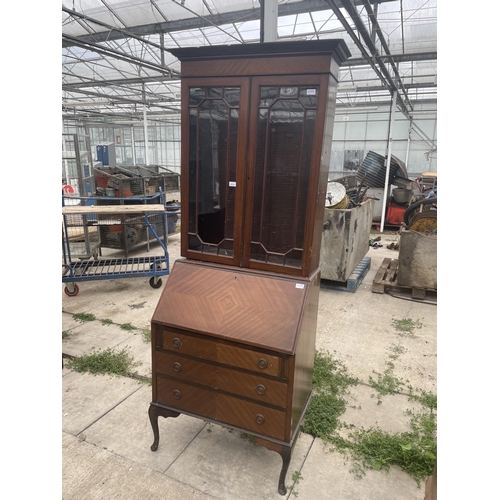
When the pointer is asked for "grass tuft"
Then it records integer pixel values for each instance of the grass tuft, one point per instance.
(406, 325)
(413, 451)
(83, 317)
(128, 327)
(101, 362)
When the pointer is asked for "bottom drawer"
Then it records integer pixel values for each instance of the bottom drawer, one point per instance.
(222, 408)
(186, 397)
(250, 416)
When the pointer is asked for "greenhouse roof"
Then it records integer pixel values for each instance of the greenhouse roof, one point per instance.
(116, 62)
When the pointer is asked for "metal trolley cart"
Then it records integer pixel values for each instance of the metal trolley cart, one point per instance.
(152, 217)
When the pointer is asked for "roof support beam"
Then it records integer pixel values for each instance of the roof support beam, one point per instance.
(99, 49)
(239, 16)
(380, 35)
(374, 59)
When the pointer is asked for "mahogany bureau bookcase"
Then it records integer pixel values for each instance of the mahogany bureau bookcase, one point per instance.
(233, 333)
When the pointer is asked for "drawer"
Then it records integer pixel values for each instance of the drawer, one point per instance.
(214, 350)
(252, 386)
(192, 346)
(173, 365)
(251, 416)
(250, 360)
(186, 397)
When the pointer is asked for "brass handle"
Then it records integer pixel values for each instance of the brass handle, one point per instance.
(261, 389)
(177, 394)
(177, 343)
(260, 419)
(262, 363)
(177, 367)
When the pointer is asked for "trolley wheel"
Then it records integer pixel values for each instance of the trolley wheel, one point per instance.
(73, 293)
(153, 284)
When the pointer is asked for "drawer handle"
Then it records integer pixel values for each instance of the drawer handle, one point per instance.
(262, 363)
(177, 343)
(261, 389)
(177, 394)
(177, 367)
(260, 419)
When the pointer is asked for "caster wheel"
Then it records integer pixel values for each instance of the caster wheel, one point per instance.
(153, 284)
(70, 293)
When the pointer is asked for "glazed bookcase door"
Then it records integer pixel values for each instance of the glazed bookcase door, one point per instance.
(287, 120)
(213, 168)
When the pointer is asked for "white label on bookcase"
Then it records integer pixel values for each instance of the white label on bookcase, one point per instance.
(299, 285)
(232, 184)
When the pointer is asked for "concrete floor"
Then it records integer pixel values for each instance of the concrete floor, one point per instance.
(106, 435)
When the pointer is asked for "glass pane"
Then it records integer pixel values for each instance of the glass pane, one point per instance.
(213, 137)
(294, 258)
(260, 159)
(214, 92)
(257, 252)
(196, 95)
(210, 249)
(310, 120)
(309, 96)
(212, 158)
(193, 162)
(268, 95)
(289, 91)
(232, 96)
(275, 259)
(226, 248)
(283, 156)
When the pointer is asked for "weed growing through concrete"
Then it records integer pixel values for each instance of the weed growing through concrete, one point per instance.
(65, 334)
(296, 478)
(109, 362)
(248, 437)
(330, 386)
(146, 335)
(414, 451)
(106, 322)
(406, 325)
(128, 327)
(83, 317)
(387, 382)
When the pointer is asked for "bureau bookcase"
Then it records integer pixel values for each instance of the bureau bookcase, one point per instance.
(233, 334)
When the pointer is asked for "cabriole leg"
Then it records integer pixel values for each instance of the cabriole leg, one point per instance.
(286, 454)
(154, 413)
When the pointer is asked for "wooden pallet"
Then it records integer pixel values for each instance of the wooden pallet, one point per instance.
(385, 281)
(354, 280)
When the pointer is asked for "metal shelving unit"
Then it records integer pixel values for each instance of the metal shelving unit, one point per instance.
(84, 241)
(78, 163)
(151, 217)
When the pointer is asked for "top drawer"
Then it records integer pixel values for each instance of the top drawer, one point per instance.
(211, 349)
(186, 344)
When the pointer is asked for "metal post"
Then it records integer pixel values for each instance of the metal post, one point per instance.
(133, 144)
(388, 159)
(268, 20)
(145, 123)
(408, 144)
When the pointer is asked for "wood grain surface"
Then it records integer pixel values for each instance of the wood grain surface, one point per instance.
(259, 310)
